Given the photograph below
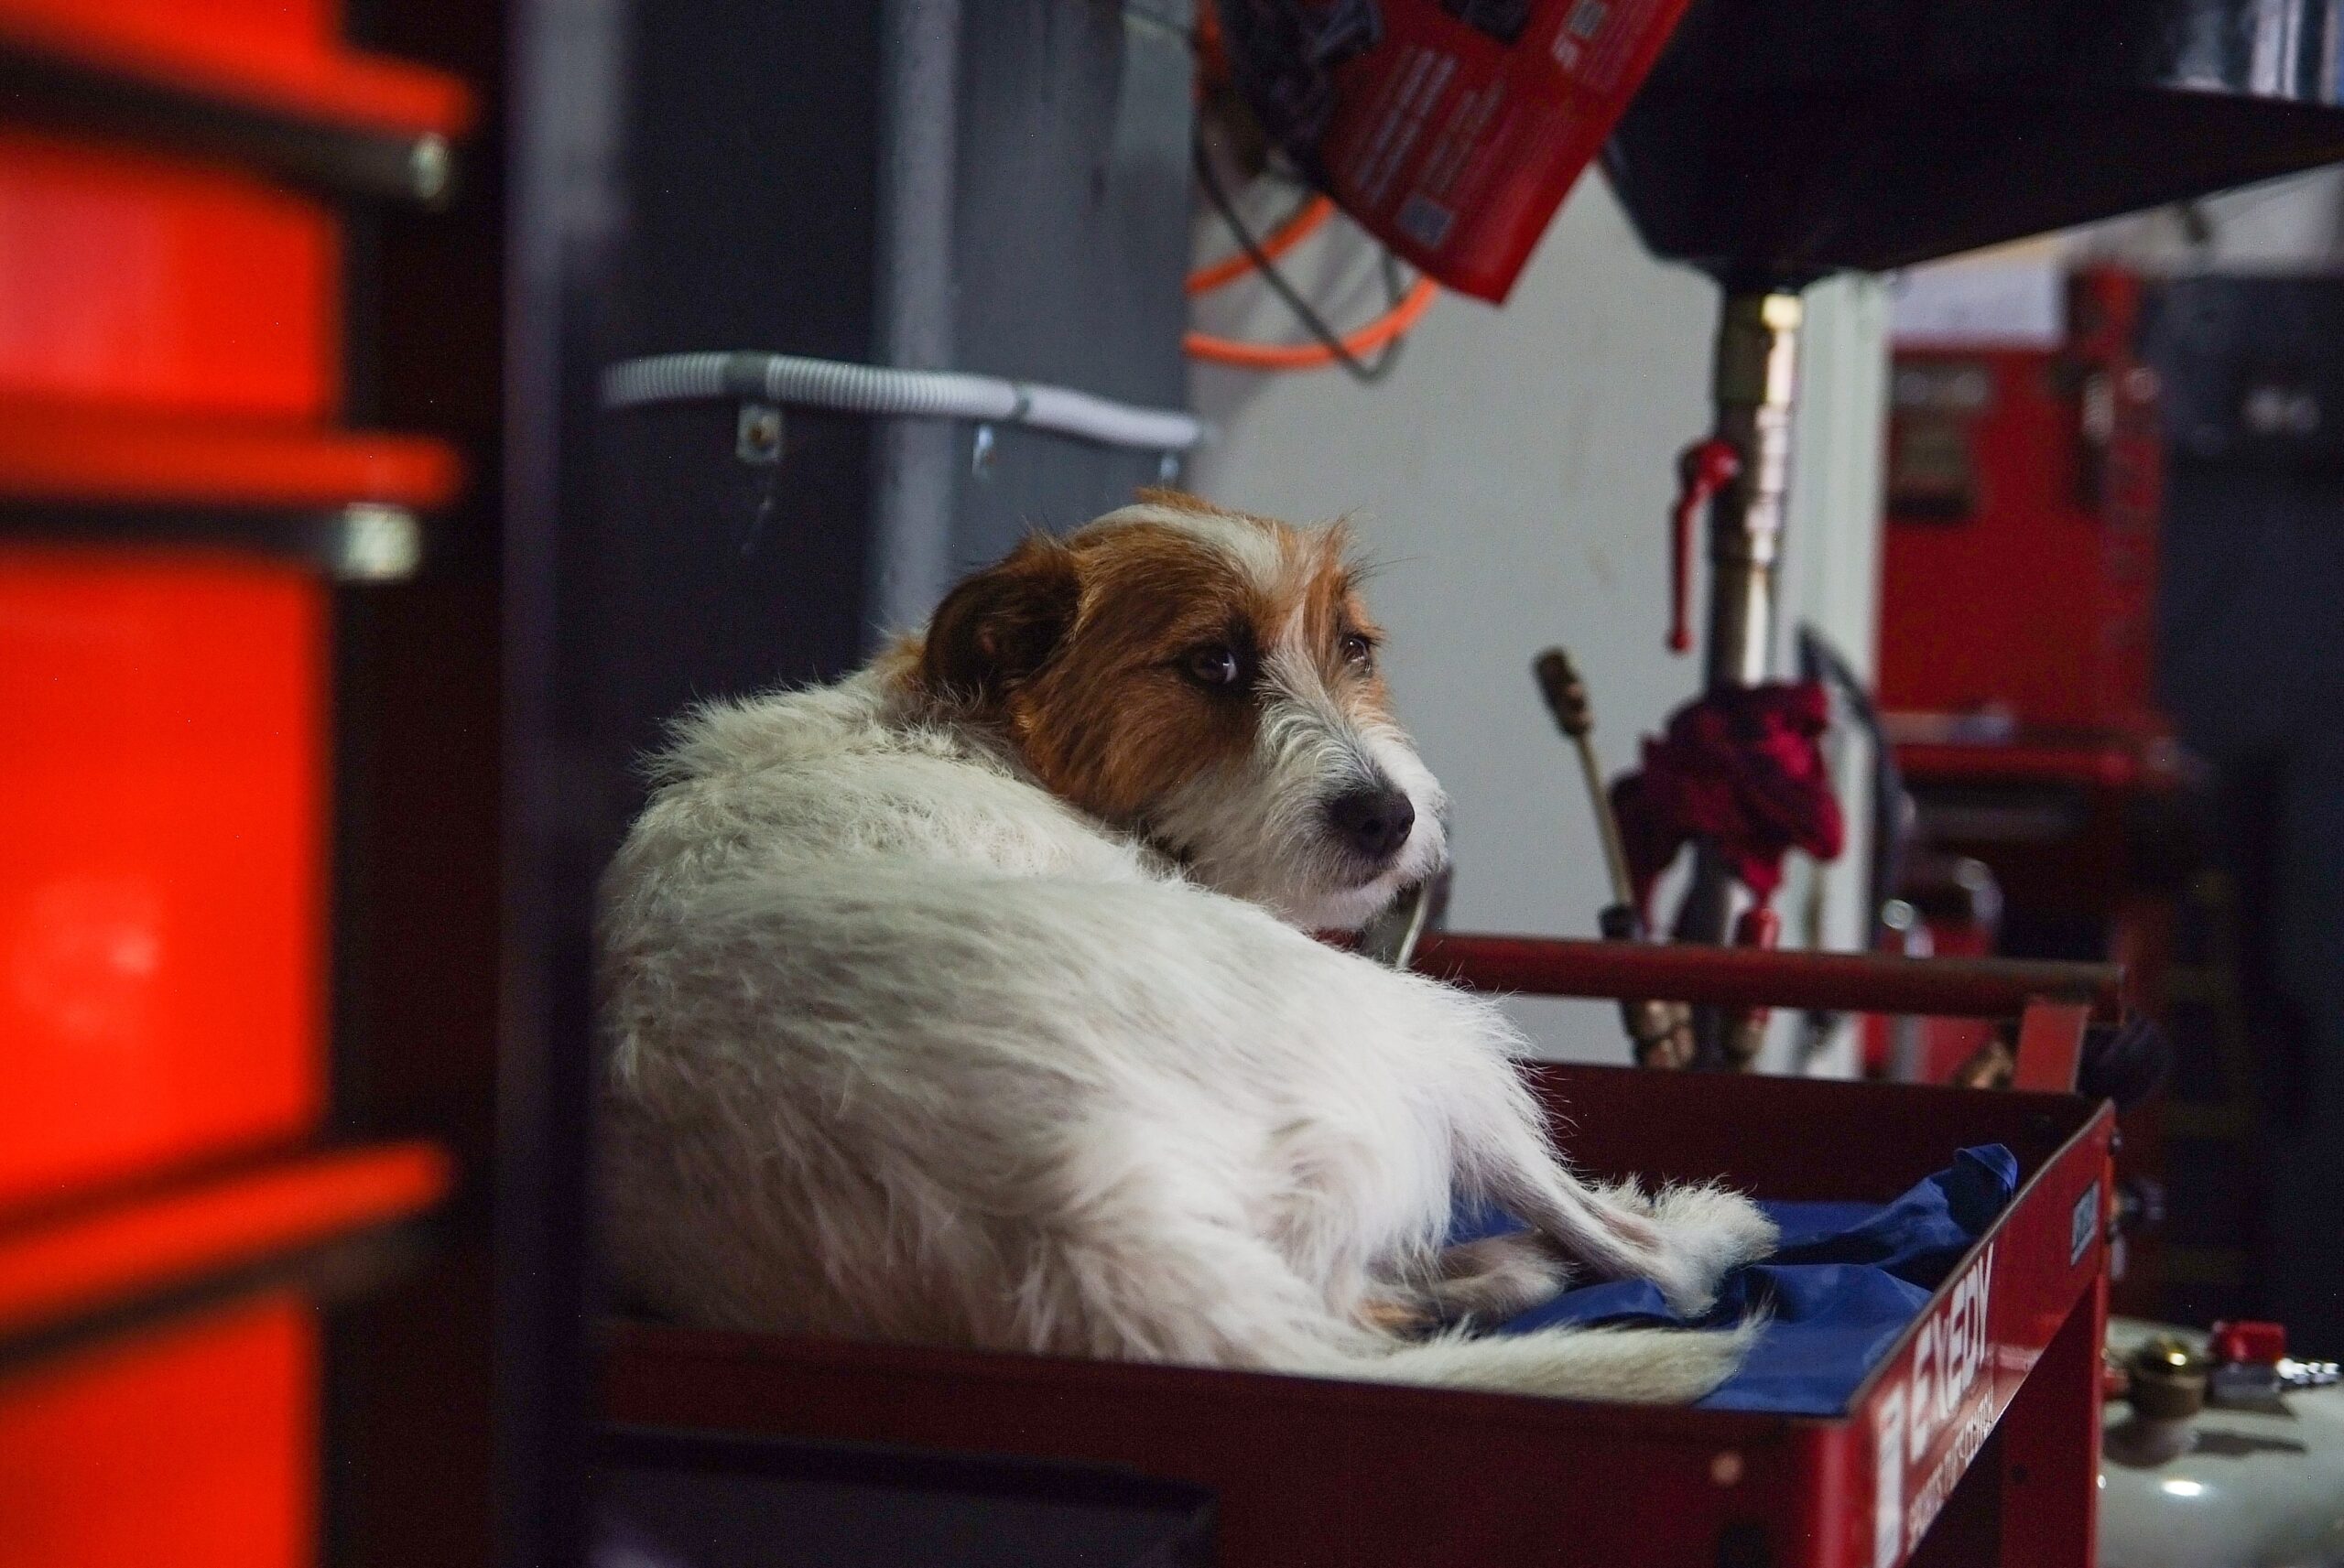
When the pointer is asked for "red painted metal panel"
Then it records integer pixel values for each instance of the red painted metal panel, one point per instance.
(2050, 1044)
(162, 880)
(144, 282)
(1922, 1420)
(282, 58)
(51, 452)
(196, 1447)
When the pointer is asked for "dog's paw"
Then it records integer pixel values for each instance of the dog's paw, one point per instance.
(1706, 1233)
(1401, 1314)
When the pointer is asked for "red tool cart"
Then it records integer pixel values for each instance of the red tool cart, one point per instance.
(1974, 1440)
(178, 500)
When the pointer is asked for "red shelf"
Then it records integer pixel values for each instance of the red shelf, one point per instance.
(250, 60)
(56, 1268)
(56, 454)
(2119, 763)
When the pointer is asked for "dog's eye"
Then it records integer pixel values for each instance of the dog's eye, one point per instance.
(1217, 665)
(1359, 648)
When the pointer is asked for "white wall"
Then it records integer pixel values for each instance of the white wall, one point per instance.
(2294, 224)
(1513, 474)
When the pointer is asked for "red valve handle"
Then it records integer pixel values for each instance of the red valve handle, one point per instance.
(1745, 1028)
(2248, 1343)
(1704, 468)
(1758, 926)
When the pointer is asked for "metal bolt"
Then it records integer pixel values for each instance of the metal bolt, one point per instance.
(756, 438)
(981, 447)
(378, 544)
(429, 166)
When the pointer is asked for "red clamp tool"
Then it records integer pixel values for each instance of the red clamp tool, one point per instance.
(1704, 468)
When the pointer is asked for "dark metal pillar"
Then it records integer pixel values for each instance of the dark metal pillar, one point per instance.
(564, 217)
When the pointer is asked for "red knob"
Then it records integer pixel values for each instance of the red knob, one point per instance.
(1757, 926)
(1704, 468)
(2255, 1343)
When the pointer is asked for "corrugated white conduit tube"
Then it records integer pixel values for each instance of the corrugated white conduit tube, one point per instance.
(788, 379)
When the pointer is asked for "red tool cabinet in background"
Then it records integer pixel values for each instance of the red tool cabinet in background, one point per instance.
(2019, 575)
(2018, 644)
(181, 499)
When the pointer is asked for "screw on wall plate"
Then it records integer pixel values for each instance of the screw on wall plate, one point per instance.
(981, 447)
(758, 438)
(1167, 469)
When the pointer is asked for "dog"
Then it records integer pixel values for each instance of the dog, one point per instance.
(972, 1000)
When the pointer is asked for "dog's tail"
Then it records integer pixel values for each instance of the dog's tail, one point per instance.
(1641, 1366)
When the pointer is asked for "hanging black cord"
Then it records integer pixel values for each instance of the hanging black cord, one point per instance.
(1361, 370)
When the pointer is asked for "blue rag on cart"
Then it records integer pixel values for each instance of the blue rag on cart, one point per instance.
(1844, 1283)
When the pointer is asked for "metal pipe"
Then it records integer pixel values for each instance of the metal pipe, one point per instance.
(913, 460)
(1756, 392)
(1744, 977)
(795, 380)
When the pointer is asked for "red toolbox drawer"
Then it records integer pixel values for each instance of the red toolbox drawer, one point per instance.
(140, 281)
(196, 1447)
(162, 880)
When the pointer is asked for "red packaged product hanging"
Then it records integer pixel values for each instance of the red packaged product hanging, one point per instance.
(1451, 129)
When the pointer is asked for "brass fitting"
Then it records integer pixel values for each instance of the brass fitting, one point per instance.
(2168, 1378)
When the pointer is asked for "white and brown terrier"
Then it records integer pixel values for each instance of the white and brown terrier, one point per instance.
(970, 1001)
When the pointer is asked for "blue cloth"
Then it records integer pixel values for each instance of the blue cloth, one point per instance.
(1843, 1284)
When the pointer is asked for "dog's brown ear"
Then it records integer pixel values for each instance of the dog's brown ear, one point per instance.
(998, 628)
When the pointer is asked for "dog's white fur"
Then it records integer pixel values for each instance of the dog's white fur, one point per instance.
(905, 1046)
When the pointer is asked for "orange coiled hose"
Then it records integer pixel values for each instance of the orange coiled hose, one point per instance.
(1292, 232)
(1314, 356)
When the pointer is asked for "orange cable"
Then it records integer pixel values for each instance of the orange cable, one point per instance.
(1292, 232)
(1313, 356)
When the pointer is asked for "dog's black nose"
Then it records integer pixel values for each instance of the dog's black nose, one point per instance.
(1374, 821)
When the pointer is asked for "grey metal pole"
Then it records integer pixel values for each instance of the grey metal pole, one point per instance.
(1756, 392)
(913, 478)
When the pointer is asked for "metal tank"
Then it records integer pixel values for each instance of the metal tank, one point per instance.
(2220, 1454)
